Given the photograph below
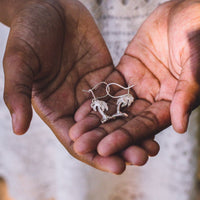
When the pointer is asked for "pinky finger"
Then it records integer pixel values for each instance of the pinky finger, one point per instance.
(151, 147)
(135, 155)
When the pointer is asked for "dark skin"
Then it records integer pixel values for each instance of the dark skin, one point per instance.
(54, 51)
(162, 61)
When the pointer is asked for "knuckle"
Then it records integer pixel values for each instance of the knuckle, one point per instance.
(23, 89)
(149, 119)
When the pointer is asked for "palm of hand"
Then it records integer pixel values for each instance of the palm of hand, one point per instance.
(162, 62)
(164, 56)
(56, 57)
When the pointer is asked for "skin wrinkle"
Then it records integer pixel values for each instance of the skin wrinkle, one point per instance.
(78, 69)
(138, 59)
(141, 123)
(62, 112)
(128, 80)
(80, 47)
(90, 72)
(84, 38)
(110, 65)
(194, 40)
(180, 90)
(152, 118)
(84, 77)
(88, 75)
(160, 61)
(23, 89)
(60, 117)
(32, 52)
(45, 14)
(52, 111)
(48, 116)
(35, 94)
(17, 58)
(153, 126)
(60, 13)
(156, 59)
(137, 137)
(109, 129)
(124, 131)
(40, 90)
(102, 130)
(151, 122)
(184, 6)
(159, 114)
(124, 121)
(58, 85)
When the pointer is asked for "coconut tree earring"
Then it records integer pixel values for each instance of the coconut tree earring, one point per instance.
(99, 105)
(123, 100)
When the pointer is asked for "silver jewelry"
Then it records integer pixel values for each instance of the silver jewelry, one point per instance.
(98, 105)
(102, 106)
(123, 100)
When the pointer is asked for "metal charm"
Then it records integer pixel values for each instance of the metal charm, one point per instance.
(101, 106)
(123, 101)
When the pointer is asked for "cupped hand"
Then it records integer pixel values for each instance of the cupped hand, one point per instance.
(162, 61)
(54, 51)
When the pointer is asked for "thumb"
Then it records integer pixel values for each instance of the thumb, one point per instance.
(184, 101)
(19, 77)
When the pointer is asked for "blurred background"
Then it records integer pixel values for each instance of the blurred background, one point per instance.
(36, 166)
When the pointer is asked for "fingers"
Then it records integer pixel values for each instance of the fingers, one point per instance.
(148, 123)
(88, 142)
(151, 147)
(135, 155)
(138, 155)
(18, 84)
(85, 132)
(184, 101)
(185, 61)
(90, 122)
(187, 93)
(113, 164)
(117, 135)
(136, 73)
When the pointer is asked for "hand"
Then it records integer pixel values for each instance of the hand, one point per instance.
(162, 61)
(54, 51)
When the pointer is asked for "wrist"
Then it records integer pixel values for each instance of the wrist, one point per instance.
(9, 9)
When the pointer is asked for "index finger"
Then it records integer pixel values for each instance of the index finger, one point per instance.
(149, 122)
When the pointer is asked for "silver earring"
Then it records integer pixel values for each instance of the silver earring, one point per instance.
(123, 100)
(99, 105)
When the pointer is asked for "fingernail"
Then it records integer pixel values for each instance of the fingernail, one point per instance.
(15, 123)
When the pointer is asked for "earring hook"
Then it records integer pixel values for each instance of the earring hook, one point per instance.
(94, 88)
(116, 97)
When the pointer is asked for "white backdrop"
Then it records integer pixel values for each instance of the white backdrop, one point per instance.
(37, 167)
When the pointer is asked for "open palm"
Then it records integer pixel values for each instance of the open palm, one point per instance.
(162, 61)
(54, 51)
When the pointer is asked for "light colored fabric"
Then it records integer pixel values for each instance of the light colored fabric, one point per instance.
(37, 167)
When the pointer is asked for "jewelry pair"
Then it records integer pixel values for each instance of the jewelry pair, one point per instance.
(101, 106)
